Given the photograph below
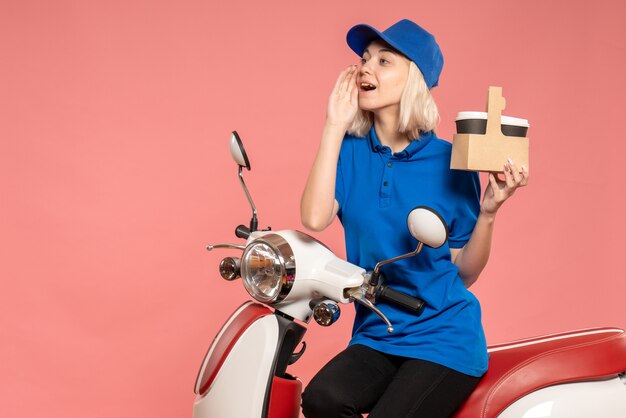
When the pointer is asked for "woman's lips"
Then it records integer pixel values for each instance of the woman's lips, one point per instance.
(365, 86)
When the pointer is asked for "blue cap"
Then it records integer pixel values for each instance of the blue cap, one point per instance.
(407, 38)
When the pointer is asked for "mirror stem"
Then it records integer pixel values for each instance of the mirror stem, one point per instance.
(391, 260)
(254, 223)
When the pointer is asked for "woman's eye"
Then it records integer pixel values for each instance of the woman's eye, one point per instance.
(363, 61)
(383, 61)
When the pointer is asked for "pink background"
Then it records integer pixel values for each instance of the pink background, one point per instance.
(115, 173)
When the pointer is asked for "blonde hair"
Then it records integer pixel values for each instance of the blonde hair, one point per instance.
(418, 110)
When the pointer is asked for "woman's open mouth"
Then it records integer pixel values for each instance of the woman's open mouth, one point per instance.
(367, 87)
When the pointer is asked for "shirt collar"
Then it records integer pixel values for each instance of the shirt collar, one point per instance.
(408, 152)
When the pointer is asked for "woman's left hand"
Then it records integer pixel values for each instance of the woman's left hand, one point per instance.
(500, 190)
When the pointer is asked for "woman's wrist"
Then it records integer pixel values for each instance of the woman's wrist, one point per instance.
(333, 134)
(488, 217)
(336, 125)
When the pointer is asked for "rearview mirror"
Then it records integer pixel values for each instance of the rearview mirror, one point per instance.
(237, 151)
(427, 226)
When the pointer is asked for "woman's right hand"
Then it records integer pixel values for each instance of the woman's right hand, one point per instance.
(343, 102)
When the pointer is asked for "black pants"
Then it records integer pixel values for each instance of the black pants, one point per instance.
(360, 380)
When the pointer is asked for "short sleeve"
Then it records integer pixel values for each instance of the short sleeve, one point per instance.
(466, 186)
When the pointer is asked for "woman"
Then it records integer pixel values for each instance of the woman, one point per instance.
(390, 161)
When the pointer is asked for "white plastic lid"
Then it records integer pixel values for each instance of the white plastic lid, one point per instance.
(506, 120)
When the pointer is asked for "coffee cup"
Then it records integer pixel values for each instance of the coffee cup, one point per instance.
(476, 123)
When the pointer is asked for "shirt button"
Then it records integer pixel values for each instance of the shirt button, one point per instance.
(389, 165)
(385, 183)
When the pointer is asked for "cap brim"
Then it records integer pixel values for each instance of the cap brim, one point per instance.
(360, 36)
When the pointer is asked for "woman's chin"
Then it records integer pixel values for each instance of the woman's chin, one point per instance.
(367, 104)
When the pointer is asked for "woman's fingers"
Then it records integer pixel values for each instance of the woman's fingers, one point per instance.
(343, 100)
(341, 78)
(493, 182)
(508, 177)
(515, 172)
(520, 177)
(354, 94)
(348, 78)
(525, 176)
(352, 80)
(499, 190)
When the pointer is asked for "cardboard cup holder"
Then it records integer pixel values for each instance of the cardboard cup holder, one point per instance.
(486, 140)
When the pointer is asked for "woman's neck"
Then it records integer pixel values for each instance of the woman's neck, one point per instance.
(386, 126)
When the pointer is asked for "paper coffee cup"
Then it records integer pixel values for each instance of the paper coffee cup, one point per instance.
(476, 123)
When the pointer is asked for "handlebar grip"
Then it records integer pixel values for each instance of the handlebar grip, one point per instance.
(242, 231)
(409, 302)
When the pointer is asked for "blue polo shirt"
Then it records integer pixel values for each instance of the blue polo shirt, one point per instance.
(376, 189)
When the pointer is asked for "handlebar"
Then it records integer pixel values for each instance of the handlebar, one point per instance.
(378, 290)
(406, 301)
(367, 295)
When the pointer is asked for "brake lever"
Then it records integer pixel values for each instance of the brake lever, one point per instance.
(232, 246)
(356, 295)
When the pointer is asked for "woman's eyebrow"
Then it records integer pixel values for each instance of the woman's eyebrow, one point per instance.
(381, 50)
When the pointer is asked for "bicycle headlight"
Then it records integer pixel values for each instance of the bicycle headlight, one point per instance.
(268, 268)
